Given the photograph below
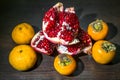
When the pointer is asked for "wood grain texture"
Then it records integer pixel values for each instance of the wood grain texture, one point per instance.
(13, 12)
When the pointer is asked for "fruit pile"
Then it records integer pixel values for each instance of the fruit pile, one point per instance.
(103, 51)
(22, 57)
(61, 31)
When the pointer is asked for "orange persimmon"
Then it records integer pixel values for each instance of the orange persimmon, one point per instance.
(103, 51)
(64, 64)
(98, 30)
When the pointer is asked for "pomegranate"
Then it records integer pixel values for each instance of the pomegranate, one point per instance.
(41, 44)
(61, 26)
(84, 45)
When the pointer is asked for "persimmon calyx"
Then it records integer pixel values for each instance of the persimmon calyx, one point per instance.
(108, 47)
(64, 60)
(97, 25)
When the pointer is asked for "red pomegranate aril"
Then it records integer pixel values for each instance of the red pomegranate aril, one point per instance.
(41, 44)
(60, 26)
(84, 38)
(51, 34)
(67, 37)
(84, 45)
(50, 15)
(73, 48)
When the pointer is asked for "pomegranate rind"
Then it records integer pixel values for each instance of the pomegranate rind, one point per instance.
(35, 42)
(84, 45)
(63, 49)
(59, 26)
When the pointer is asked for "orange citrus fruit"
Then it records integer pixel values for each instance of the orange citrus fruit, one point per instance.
(22, 57)
(23, 33)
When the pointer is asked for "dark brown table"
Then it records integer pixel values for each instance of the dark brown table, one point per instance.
(13, 12)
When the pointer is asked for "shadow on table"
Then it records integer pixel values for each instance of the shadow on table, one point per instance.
(116, 60)
(111, 34)
(79, 68)
(39, 60)
(87, 19)
(112, 31)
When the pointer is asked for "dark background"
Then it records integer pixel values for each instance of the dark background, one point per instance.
(13, 12)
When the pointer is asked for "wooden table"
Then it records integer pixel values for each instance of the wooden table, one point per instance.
(13, 12)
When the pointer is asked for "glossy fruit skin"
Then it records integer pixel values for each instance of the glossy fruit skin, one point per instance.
(65, 70)
(100, 55)
(98, 35)
(22, 57)
(22, 33)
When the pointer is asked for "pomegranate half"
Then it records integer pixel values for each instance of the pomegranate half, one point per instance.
(84, 45)
(41, 44)
(60, 26)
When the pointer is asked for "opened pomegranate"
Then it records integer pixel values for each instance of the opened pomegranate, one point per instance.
(60, 26)
(84, 45)
(41, 44)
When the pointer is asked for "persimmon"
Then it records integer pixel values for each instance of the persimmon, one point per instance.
(64, 64)
(103, 51)
(98, 30)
